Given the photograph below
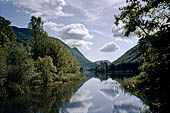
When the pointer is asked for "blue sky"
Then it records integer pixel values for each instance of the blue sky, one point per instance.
(85, 24)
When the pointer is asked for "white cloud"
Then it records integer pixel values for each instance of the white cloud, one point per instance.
(78, 43)
(44, 8)
(74, 35)
(109, 47)
(75, 31)
(53, 26)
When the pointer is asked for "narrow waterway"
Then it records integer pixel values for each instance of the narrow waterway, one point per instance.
(96, 96)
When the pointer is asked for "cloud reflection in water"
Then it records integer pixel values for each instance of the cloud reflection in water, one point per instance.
(80, 103)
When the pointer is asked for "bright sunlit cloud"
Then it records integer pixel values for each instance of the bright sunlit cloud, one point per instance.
(74, 35)
(109, 47)
(75, 31)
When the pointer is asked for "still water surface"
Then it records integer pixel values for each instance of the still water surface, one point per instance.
(95, 95)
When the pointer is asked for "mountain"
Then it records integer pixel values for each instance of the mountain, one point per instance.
(98, 62)
(130, 56)
(84, 62)
(23, 35)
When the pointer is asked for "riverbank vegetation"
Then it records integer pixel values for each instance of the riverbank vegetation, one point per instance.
(149, 20)
(41, 61)
(122, 70)
(43, 99)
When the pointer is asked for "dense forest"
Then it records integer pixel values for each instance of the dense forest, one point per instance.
(41, 61)
(149, 20)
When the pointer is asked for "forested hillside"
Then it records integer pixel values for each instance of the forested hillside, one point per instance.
(131, 56)
(23, 35)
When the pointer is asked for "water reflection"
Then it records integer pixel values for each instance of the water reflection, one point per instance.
(42, 100)
(79, 103)
(102, 96)
(96, 95)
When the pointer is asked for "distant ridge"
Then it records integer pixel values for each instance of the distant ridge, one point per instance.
(131, 56)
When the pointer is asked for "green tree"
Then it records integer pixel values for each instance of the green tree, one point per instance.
(62, 59)
(42, 45)
(149, 19)
(17, 69)
(6, 32)
(47, 69)
(38, 37)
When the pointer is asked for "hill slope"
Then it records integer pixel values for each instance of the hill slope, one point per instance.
(23, 35)
(130, 56)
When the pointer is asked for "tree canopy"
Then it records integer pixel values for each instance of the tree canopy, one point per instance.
(6, 32)
(38, 62)
(150, 21)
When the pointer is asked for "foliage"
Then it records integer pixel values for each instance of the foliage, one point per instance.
(47, 69)
(150, 21)
(62, 58)
(38, 37)
(17, 68)
(43, 45)
(6, 33)
(27, 65)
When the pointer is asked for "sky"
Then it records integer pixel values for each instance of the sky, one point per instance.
(85, 24)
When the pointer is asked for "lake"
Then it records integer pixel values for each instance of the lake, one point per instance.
(94, 95)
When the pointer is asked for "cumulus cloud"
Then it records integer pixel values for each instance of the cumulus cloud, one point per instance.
(109, 47)
(44, 8)
(75, 31)
(53, 26)
(74, 35)
(78, 43)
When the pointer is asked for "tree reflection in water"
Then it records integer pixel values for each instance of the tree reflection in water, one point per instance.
(41, 100)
